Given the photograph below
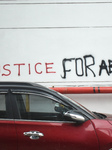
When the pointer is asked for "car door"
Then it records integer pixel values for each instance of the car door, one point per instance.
(8, 137)
(41, 125)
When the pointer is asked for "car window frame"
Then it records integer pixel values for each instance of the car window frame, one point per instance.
(9, 110)
(40, 93)
(51, 94)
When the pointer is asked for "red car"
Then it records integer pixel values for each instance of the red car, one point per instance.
(33, 117)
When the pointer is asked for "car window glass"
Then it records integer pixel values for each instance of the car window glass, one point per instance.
(3, 106)
(38, 107)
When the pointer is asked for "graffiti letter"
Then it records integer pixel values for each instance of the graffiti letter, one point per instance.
(103, 66)
(110, 66)
(47, 68)
(87, 67)
(29, 68)
(76, 60)
(36, 68)
(9, 72)
(19, 67)
(64, 68)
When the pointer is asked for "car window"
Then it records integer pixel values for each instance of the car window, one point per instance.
(40, 107)
(3, 113)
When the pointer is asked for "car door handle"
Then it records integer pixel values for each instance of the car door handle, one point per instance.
(33, 134)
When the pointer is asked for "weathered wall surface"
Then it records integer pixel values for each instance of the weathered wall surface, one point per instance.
(56, 43)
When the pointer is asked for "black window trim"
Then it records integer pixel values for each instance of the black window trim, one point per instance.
(16, 110)
(39, 91)
(9, 110)
(51, 95)
(44, 121)
(42, 94)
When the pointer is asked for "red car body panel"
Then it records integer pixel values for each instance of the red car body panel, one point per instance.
(104, 132)
(57, 136)
(8, 135)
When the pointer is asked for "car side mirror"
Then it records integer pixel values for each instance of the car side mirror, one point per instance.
(75, 116)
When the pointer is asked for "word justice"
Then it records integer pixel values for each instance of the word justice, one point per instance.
(6, 70)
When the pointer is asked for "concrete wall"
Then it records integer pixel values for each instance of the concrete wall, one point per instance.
(94, 102)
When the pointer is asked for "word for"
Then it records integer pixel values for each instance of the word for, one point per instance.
(84, 66)
(7, 68)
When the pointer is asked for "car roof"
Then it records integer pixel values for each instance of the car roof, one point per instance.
(28, 85)
(22, 84)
